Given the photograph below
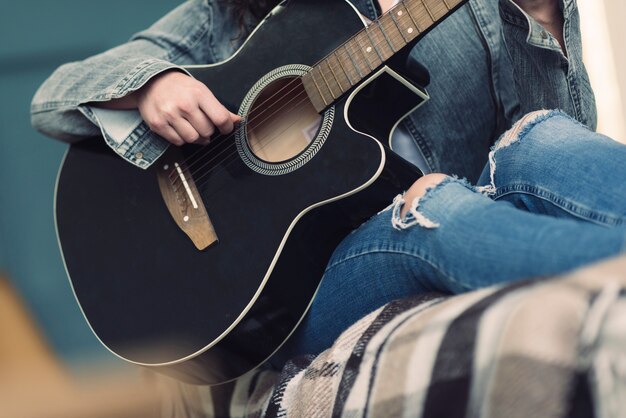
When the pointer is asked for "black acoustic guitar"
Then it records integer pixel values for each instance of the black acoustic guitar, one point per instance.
(202, 266)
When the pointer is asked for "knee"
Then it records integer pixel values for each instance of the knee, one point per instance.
(419, 188)
(540, 139)
(543, 129)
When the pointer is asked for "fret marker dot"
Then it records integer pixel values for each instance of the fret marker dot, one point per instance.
(368, 49)
(399, 12)
(410, 30)
(186, 219)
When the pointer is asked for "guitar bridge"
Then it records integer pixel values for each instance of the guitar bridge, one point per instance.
(183, 200)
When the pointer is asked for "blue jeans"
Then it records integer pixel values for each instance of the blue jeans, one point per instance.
(552, 198)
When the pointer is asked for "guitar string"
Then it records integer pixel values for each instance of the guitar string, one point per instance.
(266, 143)
(394, 37)
(241, 125)
(229, 146)
(264, 140)
(221, 185)
(348, 54)
(293, 83)
(375, 44)
(219, 168)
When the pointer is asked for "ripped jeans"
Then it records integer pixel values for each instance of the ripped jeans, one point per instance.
(551, 198)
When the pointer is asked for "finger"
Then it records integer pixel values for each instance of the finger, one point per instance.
(201, 123)
(170, 135)
(161, 126)
(203, 141)
(217, 113)
(185, 130)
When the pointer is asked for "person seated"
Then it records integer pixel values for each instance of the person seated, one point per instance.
(547, 196)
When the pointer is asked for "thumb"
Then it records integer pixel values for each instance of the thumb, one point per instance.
(235, 118)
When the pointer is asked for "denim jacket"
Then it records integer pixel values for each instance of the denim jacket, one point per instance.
(489, 57)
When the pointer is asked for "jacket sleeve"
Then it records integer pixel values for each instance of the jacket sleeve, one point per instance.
(544, 76)
(60, 108)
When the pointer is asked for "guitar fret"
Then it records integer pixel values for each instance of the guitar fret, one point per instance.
(439, 9)
(398, 26)
(382, 59)
(332, 72)
(366, 52)
(353, 62)
(328, 79)
(326, 82)
(418, 11)
(393, 50)
(382, 43)
(408, 12)
(428, 10)
(318, 86)
(395, 35)
(332, 64)
(347, 73)
(368, 49)
(406, 22)
(312, 91)
(359, 55)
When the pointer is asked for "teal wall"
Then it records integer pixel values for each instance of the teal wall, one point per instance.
(36, 36)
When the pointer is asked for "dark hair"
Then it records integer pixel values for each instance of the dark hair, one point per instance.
(248, 12)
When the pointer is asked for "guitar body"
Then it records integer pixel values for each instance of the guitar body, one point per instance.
(208, 316)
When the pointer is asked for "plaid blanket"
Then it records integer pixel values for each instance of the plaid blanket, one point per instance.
(541, 348)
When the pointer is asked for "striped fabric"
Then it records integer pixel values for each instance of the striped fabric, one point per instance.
(542, 348)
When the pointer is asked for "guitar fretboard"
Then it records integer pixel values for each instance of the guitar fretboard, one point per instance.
(371, 47)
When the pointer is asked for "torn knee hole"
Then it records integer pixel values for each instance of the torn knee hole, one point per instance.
(404, 209)
(412, 217)
(420, 187)
(513, 135)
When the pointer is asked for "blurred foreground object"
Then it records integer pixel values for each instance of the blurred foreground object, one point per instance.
(33, 383)
(551, 347)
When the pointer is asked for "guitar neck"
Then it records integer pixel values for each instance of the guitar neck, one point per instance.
(368, 49)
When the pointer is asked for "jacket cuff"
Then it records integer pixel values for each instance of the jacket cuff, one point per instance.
(127, 134)
(136, 79)
(140, 146)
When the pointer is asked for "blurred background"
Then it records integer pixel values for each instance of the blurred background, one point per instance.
(604, 33)
(48, 355)
(47, 352)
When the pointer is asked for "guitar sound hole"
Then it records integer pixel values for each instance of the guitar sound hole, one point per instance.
(282, 121)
